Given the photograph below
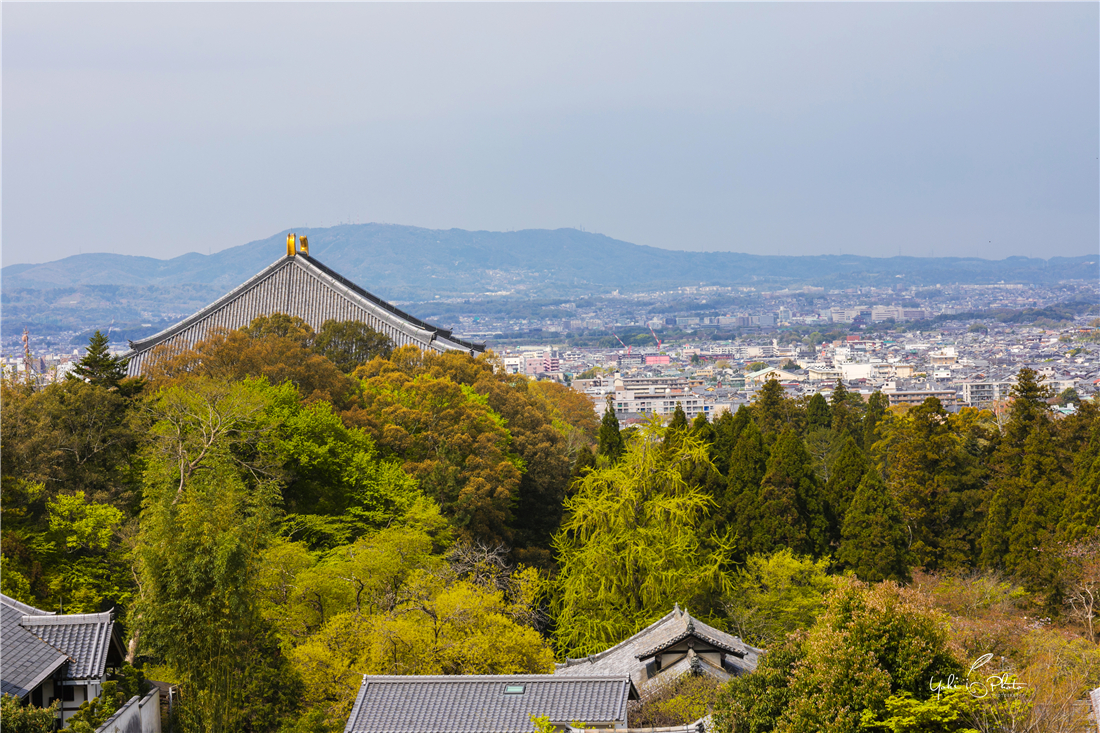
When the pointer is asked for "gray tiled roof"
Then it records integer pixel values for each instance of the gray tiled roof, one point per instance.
(25, 660)
(476, 703)
(304, 287)
(35, 643)
(627, 657)
(84, 637)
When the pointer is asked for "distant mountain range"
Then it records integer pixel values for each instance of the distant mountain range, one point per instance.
(410, 263)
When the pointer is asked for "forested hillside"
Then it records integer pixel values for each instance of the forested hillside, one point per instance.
(278, 511)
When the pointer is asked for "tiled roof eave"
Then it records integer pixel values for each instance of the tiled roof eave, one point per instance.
(48, 670)
(686, 635)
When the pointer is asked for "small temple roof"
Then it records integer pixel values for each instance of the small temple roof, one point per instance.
(629, 656)
(35, 644)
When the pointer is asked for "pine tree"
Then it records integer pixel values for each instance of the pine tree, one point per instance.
(1082, 515)
(736, 506)
(726, 429)
(611, 440)
(938, 485)
(1029, 468)
(98, 366)
(788, 512)
(842, 411)
(1044, 482)
(702, 429)
(818, 414)
(873, 537)
(844, 478)
(774, 411)
(876, 411)
(586, 461)
(677, 427)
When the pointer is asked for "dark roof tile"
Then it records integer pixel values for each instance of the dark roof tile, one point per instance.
(478, 703)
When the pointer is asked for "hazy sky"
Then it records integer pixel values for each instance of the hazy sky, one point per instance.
(158, 129)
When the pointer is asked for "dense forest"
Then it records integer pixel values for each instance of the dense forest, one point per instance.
(277, 511)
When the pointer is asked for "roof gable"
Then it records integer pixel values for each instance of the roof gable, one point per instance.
(628, 656)
(304, 287)
(478, 703)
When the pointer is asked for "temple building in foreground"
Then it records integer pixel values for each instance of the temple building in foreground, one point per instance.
(670, 647)
(299, 285)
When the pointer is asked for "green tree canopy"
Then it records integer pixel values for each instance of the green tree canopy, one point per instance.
(873, 538)
(348, 344)
(774, 595)
(871, 642)
(788, 512)
(630, 547)
(844, 477)
(611, 440)
(98, 366)
(818, 412)
(937, 482)
(212, 489)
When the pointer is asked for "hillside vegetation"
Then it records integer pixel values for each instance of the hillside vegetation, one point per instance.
(278, 511)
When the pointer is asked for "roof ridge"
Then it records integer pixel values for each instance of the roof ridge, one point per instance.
(67, 619)
(24, 608)
(600, 655)
(157, 338)
(541, 677)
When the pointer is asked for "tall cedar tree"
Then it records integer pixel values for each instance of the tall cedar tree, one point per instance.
(938, 486)
(702, 429)
(705, 474)
(873, 537)
(1082, 515)
(726, 430)
(677, 427)
(98, 366)
(818, 414)
(1027, 473)
(876, 411)
(586, 461)
(737, 505)
(774, 411)
(788, 512)
(611, 440)
(843, 420)
(844, 478)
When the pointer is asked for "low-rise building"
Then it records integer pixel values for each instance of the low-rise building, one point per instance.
(475, 703)
(48, 656)
(947, 397)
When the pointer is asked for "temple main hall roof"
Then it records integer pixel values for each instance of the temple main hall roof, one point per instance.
(301, 286)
